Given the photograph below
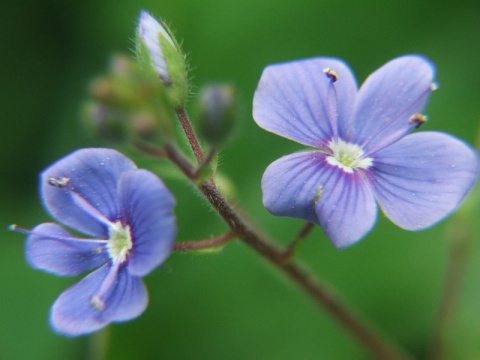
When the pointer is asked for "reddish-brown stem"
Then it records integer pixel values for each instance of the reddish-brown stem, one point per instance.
(321, 294)
(192, 139)
(302, 234)
(168, 152)
(455, 269)
(205, 244)
(206, 161)
(152, 151)
(460, 233)
(179, 160)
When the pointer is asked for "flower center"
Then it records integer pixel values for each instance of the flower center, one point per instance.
(119, 242)
(347, 156)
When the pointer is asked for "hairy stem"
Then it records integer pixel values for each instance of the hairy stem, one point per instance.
(302, 234)
(460, 233)
(205, 244)
(206, 162)
(459, 236)
(192, 139)
(320, 293)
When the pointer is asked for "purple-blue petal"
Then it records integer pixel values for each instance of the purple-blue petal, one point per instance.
(147, 206)
(305, 186)
(45, 251)
(72, 314)
(387, 100)
(347, 210)
(93, 175)
(293, 100)
(290, 184)
(422, 178)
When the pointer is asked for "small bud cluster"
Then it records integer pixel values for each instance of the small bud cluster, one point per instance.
(128, 105)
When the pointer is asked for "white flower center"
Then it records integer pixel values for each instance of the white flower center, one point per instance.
(347, 156)
(119, 242)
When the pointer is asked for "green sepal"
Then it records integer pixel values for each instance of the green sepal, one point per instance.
(144, 61)
(177, 85)
(177, 70)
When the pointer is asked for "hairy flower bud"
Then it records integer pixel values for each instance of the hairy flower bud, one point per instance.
(216, 113)
(157, 50)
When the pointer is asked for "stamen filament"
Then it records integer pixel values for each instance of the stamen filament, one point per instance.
(21, 230)
(415, 121)
(89, 208)
(390, 140)
(332, 100)
(97, 300)
(400, 133)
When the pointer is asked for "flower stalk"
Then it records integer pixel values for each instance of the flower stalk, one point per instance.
(191, 137)
(319, 292)
(459, 240)
(302, 234)
(460, 234)
(209, 244)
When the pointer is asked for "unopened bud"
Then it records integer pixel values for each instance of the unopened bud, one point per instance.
(156, 48)
(216, 113)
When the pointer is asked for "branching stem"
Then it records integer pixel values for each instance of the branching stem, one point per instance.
(302, 234)
(321, 294)
(206, 161)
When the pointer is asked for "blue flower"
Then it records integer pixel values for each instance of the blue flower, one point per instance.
(361, 151)
(127, 217)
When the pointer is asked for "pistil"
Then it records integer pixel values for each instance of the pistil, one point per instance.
(347, 156)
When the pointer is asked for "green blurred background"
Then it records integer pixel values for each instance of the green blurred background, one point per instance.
(231, 305)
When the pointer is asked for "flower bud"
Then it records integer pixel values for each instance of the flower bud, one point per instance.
(157, 51)
(216, 113)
